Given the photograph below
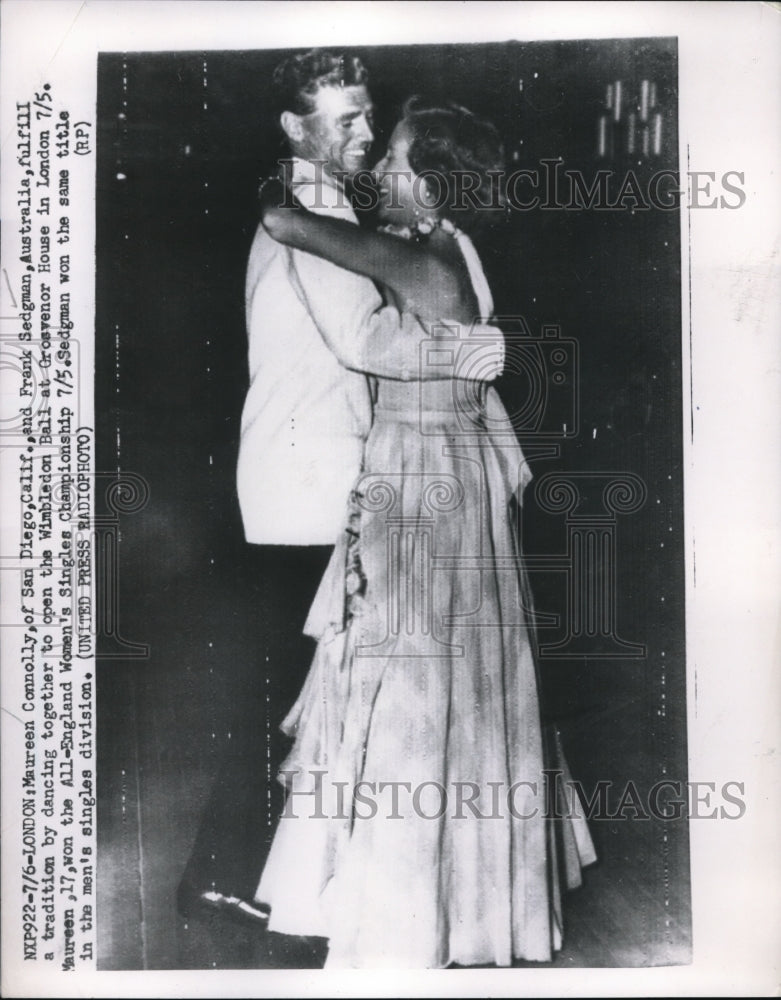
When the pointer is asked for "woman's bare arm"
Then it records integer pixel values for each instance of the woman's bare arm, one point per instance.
(427, 285)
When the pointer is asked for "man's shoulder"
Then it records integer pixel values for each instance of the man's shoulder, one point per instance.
(261, 241)
(263, 251)
(324, 199)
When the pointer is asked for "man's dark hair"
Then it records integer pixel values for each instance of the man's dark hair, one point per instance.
(298, 79)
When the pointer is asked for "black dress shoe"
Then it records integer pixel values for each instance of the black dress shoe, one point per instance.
(193, 902)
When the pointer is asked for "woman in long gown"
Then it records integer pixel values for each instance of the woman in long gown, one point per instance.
(417, 832)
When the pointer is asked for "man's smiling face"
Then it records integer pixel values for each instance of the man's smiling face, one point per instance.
(339, 129)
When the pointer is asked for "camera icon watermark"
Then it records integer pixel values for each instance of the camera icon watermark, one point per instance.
(544, 369)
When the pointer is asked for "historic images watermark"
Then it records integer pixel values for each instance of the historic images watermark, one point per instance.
(555, 796)
(548, 186)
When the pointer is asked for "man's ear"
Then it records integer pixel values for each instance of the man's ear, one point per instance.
(292, 126)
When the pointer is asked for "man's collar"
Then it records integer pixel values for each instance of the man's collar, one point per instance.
(314, 187)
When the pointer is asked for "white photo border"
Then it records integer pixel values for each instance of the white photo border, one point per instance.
(730, 91)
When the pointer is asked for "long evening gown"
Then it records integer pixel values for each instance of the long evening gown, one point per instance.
(423, 699)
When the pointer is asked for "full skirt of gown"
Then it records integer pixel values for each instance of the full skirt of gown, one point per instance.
(417, 831)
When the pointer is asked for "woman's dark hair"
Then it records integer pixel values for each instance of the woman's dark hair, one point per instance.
(298, 79)
(460, 154)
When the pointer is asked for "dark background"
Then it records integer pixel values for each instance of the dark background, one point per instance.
(183, 139)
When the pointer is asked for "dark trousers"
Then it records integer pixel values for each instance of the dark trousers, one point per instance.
(241, 814)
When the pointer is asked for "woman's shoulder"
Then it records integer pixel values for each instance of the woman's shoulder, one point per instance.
(450, 275)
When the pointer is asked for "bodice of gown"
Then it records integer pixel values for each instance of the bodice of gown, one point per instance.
(441, 398)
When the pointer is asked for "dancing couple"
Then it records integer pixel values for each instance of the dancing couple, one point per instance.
(378, 472)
